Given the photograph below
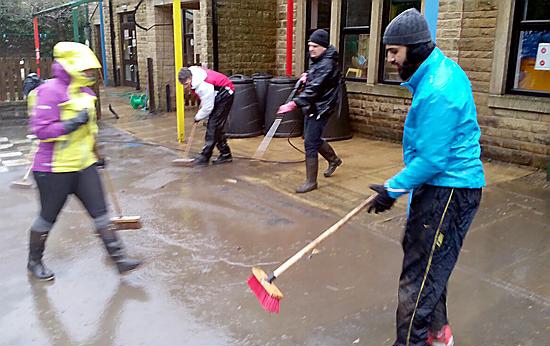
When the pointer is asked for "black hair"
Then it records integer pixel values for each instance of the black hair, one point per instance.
(184, 74)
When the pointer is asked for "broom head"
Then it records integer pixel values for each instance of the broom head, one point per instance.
(22, 184)
(127, 222)
(267, 293)
(183, 162)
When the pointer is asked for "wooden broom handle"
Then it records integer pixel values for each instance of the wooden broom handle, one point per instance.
(309, 247)
(190, 140)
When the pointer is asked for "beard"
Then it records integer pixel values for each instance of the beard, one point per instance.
(407, 70)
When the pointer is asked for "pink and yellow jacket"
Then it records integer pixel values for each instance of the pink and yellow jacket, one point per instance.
(62, 98)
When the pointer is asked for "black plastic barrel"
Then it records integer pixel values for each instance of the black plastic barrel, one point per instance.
(244, 118)
(261, 82)
(338, 127)
(277, 93)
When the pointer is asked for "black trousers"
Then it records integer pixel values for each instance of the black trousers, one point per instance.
(313, 132)
(215, 128)
(54, 188)
(439, 218)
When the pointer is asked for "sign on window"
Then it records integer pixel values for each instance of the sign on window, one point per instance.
(543, 57)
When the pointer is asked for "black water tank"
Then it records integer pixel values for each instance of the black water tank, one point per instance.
(277, 93)
(338, 127)
(244, 119)
(261, 82)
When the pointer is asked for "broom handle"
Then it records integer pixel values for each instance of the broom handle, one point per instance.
(191, 136)
(26, 176)
(112, 192)
(289, 262)
(34, 149)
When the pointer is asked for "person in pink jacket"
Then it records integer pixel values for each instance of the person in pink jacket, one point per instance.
(215, 91)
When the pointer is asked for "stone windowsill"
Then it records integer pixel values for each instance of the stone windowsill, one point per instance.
(377, 89)
(520, 103)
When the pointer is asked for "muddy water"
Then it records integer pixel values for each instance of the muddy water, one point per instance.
(205, 228)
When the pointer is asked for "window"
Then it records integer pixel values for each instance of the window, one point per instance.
(529, 69)
(388, 73)
(354, 42)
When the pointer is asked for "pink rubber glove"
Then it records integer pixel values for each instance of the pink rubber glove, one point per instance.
(303, 78)
(287, 107)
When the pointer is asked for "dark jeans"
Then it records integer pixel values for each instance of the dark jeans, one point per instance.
(215, 128)
(439, 218)
(313, 131)
(54, 188)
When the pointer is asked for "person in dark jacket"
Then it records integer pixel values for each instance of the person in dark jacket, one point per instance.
(318, 101)
(443, 174)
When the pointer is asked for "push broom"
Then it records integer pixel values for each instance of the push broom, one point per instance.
(262, 284)
(186, 161)
(121, 222)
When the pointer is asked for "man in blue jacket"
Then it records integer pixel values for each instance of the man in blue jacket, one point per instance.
(443, 174)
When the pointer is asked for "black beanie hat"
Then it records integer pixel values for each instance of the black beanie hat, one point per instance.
(408, 28)
(320, 37)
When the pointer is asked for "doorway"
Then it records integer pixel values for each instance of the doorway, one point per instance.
(317, 17)
(130, 75)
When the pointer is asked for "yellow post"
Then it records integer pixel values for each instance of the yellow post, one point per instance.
(180, 105)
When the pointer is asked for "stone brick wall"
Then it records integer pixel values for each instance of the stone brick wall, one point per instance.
(449, 27)
(280, 48)
(509, 133)
(247, 34)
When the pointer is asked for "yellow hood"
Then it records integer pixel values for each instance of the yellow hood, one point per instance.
(75, 57)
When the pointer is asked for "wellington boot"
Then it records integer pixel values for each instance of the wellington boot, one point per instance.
(334, 161)
(312, 167)
(115, 249)
(37, 244)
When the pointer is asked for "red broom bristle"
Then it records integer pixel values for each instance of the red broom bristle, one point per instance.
(269, 303)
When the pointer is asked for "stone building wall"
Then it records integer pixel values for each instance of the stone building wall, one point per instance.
(280, 48)
(466, 33)
(246, 36)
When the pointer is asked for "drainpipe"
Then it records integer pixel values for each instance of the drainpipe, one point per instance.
(289, 32)
(113, 43)
(102, 41)
(215, 35)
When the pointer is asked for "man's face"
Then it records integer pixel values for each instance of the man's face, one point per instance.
(187, 84)
(396, 55)
(315, 50)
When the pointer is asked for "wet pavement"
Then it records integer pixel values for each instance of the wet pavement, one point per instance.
(205, 228)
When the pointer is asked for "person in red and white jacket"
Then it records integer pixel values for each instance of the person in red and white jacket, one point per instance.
(215, 92)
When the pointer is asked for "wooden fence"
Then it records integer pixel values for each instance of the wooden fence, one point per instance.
(12, 73)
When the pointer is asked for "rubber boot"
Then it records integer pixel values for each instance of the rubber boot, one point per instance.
(115, 249)
(312, 167)
(333, 160)
(225, 154)
(37, 244)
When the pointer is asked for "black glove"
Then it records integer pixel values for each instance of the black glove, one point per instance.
(101, 163)
(74, 123)
(382, 201)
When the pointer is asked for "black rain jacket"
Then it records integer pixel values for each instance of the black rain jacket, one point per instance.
(321, 92)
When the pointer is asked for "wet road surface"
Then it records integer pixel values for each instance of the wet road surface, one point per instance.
(204, 229)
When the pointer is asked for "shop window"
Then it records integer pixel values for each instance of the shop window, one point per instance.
(354, 40)
(388, 73)
(529, 68)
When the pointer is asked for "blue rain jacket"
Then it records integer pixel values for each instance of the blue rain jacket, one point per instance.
(441, 134)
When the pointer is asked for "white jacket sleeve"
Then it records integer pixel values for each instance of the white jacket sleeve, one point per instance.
(207, 94)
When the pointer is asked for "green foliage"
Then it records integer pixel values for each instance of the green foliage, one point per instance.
(16, 27)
